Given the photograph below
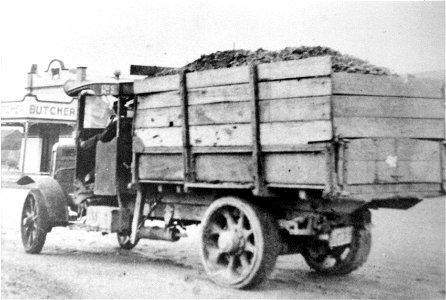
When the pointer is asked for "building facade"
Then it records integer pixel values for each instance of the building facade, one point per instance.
(44, 116)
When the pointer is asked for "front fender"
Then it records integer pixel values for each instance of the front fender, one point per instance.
(56, 200)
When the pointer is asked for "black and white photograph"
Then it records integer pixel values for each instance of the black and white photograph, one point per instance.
(222, 149)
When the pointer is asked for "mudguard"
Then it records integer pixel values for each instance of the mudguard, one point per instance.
(56, 200)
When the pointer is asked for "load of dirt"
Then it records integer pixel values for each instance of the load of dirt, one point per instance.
(233, 58)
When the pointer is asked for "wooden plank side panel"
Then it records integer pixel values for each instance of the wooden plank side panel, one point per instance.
(360, 84)
(295, 88)
(225, 76)
(160, 137)
(284, 133)
(381, 191)
(373, 161)
(164, 99)
(404, 149)
(296, 168)
(307, 87)
(393, 188)
(295, 109)
(310, 67)
(156, 84)
(293, 133)
(375, 172)
(280, 110)
(159, 117)
(223, 168)
(289, 168)
(357, 127)
(397, 107)
(161, 166)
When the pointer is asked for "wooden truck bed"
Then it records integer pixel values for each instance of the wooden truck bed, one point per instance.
(292, 125)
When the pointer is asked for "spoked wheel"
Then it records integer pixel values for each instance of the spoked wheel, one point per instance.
(125, 242)
(34, 223)
(343, 259)
(239, 243)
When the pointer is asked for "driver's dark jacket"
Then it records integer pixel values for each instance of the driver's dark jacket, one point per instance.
(106, 136)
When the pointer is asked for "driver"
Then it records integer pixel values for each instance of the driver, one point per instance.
(109, 132)
(106, 136)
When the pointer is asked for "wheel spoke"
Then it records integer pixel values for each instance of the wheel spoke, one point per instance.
(249, 247)
(231, 262)
(244, 261)
(229, 271)
(30, 236)
(247, 233)
(241, 220)
(32, 206)
(28, 220)
(229, 219)
(214, 229)
(214, 254)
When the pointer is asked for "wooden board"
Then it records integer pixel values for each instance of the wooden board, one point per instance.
(356, 127)
(278, 110)
(371, 85)
(382, 191)
(159, 117)
(288, 168)
(404, 149)
(397, 107)
(296, 168)
(308, 87)
(283, 133)
(223, 168)
(380, 172)
(156, 100)
(311, 67)
(393, 188)
(157, 84)
(161, 166)
(372, 161)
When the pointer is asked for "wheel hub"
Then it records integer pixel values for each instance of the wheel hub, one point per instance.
(230, 241)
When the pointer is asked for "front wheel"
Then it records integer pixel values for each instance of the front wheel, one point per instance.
(239, 243)
(34, 223)
(340, 260)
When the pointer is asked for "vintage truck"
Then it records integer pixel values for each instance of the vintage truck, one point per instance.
(271, 159)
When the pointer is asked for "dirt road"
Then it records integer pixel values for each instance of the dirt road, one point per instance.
(407, 261)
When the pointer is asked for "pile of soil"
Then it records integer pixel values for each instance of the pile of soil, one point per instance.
(233, 58)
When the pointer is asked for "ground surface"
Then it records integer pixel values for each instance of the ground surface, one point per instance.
(407, 261)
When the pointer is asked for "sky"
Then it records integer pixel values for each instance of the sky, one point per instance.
(406, 37)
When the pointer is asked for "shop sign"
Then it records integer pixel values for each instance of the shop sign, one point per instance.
(30, 107)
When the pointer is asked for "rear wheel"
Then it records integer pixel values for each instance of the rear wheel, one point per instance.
(239, 243)
(340, 260)
(34, 223)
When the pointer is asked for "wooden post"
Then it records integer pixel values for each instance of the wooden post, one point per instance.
(134, 166)
(442, 165)
(257, 164)
(25, 142)
(187, 157)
